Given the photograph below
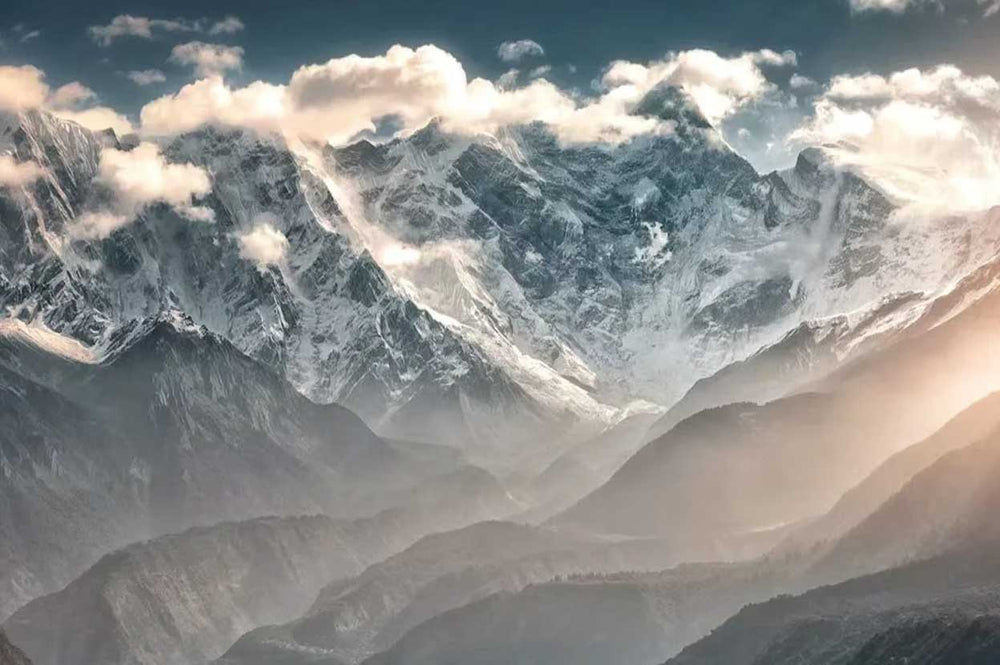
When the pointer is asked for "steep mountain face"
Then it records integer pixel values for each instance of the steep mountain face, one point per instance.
(672, 242)
(356, 618)
(792, 458)
(489, 292)
(174, 428)
(329, 318)
(10, 654)
(818, 347)
(939, 611)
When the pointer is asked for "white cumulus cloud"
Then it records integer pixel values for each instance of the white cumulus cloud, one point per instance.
(518, 50)
(139, 178)
(263, 243)
(336, 100)
(260, 106)
(70, 95)
(717, 84)
(930, 137)
(207, 59)
(22, 88)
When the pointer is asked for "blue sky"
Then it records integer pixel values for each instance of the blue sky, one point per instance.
(579, 39)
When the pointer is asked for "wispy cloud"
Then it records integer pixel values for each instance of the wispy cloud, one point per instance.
(18, 174)
(146, 76)
(71, 95)
(227, 26)
(142, 27)
(989, 7)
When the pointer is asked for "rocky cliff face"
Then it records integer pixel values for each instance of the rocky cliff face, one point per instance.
(489, 292)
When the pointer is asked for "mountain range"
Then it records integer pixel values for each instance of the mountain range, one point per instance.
(494, 399)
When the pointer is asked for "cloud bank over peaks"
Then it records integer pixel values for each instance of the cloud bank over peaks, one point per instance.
(336, 100)
(139, 178)
(718, 85)
(930, 137)
(23, 88)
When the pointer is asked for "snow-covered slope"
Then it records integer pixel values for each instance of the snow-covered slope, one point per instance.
(503, 293)
(792, 458)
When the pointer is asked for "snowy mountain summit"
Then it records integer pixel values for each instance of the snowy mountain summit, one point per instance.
(492, 291)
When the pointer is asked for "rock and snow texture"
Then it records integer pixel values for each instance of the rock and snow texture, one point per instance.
(792, 458)
(488, 291)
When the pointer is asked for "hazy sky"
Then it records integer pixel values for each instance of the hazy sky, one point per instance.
(136, 59)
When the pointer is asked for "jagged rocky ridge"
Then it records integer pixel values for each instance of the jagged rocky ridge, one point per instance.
(478, 290)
